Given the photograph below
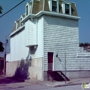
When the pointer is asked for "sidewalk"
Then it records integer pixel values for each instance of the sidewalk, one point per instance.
(78, 81)
(8, 81)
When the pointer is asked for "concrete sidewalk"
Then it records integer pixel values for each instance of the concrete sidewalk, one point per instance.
(19, 83)
(78, 81)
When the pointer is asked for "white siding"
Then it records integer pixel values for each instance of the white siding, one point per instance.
(30, 32)
(39, 36)
(18, 49)
(61, 36)
(49, 3)
(8, 57)
(31, 35)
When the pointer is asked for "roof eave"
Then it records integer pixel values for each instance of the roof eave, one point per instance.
(57, 14)
(14, 32)
(51, 14)
(27, 17)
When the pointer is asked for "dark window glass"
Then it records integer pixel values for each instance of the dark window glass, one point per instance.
(26, 10)
(67, 11)
(54, 6)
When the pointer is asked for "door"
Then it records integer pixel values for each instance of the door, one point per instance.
(50, 61)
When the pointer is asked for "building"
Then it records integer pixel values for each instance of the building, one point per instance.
(1, 65)
(46, 38)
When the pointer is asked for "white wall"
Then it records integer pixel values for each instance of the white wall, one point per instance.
(8, 57)
(31, 35)
(34, 35)
(40, 50)
(61, 36)
(30, 32)
(18, 49)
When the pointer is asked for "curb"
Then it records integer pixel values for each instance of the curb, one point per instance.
(68, 84)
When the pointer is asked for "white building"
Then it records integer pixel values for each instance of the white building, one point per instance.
(46, 38)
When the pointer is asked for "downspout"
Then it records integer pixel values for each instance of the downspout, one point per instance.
(43, 53)
(43, 44)
(37, 31)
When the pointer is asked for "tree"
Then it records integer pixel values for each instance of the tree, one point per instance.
(84, 44)
(1, 9)
(1, 47)
(81, 45)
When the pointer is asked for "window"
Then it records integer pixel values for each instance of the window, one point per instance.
(54, 6)
(26, 10)
(67, 9)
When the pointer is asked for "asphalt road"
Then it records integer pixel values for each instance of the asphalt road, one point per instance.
(40, 87)
(13, 84)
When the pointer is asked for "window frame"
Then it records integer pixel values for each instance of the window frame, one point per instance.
(57, 5)
(27, 10)
(63, 8)
(54, 6)
(67, 9)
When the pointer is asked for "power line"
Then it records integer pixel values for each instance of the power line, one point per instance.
(12, 8)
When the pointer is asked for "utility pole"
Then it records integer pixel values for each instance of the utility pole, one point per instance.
(6, 41)
(65, 67)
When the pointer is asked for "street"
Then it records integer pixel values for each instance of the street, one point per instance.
(8, 83)
(40, 87)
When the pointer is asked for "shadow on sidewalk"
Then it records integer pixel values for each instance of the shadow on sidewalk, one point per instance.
(8, 80)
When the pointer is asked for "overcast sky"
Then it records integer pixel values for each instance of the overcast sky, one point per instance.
(7, 21)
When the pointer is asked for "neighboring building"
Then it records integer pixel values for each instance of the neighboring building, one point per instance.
(85, 47)
(1, 65)
(47, 37)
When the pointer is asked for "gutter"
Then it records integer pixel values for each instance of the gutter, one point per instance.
(50, 14)
(57, 14)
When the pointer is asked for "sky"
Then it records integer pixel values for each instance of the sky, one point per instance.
(7, 21)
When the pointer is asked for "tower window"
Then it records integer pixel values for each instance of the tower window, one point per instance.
(67, 9)
(54, 6)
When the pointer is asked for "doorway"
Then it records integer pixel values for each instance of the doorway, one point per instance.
(50, 61)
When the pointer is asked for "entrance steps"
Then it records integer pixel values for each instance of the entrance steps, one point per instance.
(57, 76)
